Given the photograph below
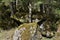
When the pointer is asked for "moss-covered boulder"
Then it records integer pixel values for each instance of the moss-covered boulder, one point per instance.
(25, 31)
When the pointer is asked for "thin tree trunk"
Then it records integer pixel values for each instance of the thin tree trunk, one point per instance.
(30, 13)
(11, 9)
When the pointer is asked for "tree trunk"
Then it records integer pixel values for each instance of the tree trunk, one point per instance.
(11, 9)
(30, 13)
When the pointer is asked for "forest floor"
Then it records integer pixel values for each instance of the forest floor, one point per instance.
(8, 35)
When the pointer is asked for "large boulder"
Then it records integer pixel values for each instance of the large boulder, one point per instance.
(25, 31)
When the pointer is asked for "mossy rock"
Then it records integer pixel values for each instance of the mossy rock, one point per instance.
(26, 30)
(49, 35)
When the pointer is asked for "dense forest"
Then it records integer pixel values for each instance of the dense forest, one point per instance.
(42, 15)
